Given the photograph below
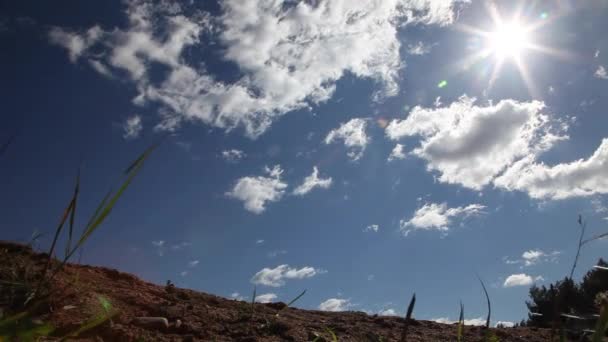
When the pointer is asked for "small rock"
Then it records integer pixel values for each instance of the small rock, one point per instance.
(178, 323)
(69, 307)
(151, 322)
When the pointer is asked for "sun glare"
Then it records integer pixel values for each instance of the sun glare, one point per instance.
(508, 40)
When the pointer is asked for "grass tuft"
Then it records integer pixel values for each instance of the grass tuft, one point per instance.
(485, 291)
(408, 317)
(461, 324)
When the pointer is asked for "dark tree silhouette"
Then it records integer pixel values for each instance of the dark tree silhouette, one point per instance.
(546, 305)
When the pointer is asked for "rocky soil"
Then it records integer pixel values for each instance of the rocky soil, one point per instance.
(149, 312)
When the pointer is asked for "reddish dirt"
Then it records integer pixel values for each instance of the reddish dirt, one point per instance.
(207, 317)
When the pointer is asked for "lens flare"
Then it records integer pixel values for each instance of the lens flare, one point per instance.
(509, 40)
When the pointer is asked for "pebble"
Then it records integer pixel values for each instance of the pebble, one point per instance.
(151, 322)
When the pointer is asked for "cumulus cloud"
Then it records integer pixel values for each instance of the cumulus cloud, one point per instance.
(601, 73)
(354, 137)
(193, 263)
(290, 54)
(233, 155)
(520, 279)
(311, 182)
(276, 277)
(132, 127)
(335, 305)
(472, 321)
(397, 153)
(388, 312)
(584, 177)
(372, 228)
(433, 216)
(256, 192)
(470, 145)
(266, 298)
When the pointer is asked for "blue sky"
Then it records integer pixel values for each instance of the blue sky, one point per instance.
(362, 151)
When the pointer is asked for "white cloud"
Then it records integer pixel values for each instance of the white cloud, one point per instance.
(193, 263)
(388, 312)
(584, 177)
(397, 153)
(520, 279)
(601, 73)
(311, 182)
(532, 256)
(433, 216)
(419, 48)
(266, 298)
(335, 305)
(75, 43)
(275, 277)
(471, 145)
(233, 155)
(132, 127)
(101, 68)
(372, 228)
(472, 321)
(237, 296)
(354, 137)
(290, 54)
(259, 241)
(183, 273)
(505, 324)
(255, 192)
(535, 256)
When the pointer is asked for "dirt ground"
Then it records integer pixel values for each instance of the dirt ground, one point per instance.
(205, 317)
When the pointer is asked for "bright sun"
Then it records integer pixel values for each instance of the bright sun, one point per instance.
(508, 40)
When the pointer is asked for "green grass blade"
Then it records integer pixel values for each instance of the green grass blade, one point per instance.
(99, 207)
(131, 172)
(485, 291)
(408, 317)
(291, 302)
(331, 333)
(9, 320)
(253, 301)
(142, 157)
(602, 325)
(73, 214)
(90, 325)
(58, 230)
(461, 323)
(295, 299)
